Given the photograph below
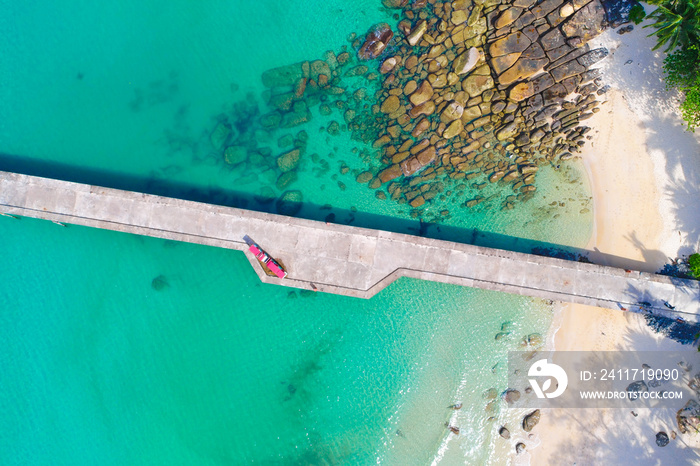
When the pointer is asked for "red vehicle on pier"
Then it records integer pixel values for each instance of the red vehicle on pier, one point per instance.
(268, 261)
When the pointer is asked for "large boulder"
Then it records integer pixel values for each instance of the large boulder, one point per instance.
(376, 41)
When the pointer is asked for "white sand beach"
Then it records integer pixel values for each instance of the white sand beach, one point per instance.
(644, 170)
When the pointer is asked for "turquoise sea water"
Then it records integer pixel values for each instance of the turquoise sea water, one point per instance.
(119, 349)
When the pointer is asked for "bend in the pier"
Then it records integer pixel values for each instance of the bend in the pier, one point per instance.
(347, 260)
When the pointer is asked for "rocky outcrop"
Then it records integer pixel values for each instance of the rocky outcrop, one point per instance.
(467, 95)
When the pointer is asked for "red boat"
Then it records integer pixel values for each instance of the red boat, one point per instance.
(269, 262)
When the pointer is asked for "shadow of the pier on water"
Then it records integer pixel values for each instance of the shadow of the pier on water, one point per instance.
(309, 211)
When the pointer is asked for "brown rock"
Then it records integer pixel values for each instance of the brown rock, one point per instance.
(376, 41)
(453, 130)
(452, 111)
(427, 155)
(508, 16)
(389, 64)
(515, 42)
(422, 94)
(418, 201)
(531, 420)
(417, 32)
(426, 108)
(438, 81)
(411, 62)
(364, 177)
(522, 91)
(474, 84)
(471, 113)
(410, 87)
(502, 63)
(382, 141)
(390, 173)
(458, 17)
(390, 104)
(410, 166)
(420, 127)
(523, 69)
(507, 132)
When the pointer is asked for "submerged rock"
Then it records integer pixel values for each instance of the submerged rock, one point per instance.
(235, 155)
(289, 160)
(160, 283)
(219, 136)
(290, 203)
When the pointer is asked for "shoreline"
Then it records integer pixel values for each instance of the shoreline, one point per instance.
(637, 225)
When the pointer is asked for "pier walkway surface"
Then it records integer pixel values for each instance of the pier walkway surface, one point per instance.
(342, 259)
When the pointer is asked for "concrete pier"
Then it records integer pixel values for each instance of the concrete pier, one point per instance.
(346, 260)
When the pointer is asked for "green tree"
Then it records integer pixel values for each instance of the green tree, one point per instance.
(677, 23)
(682, 69)
(694, 263)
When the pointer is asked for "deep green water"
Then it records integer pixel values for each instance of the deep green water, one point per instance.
(119, 349)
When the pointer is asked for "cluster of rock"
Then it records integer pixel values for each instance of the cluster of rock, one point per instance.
(485, 89)
(464, 94)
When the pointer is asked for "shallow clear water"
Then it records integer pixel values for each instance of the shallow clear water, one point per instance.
(119, 349)
(127, 350)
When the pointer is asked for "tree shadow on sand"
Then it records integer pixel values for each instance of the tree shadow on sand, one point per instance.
(616, 435)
